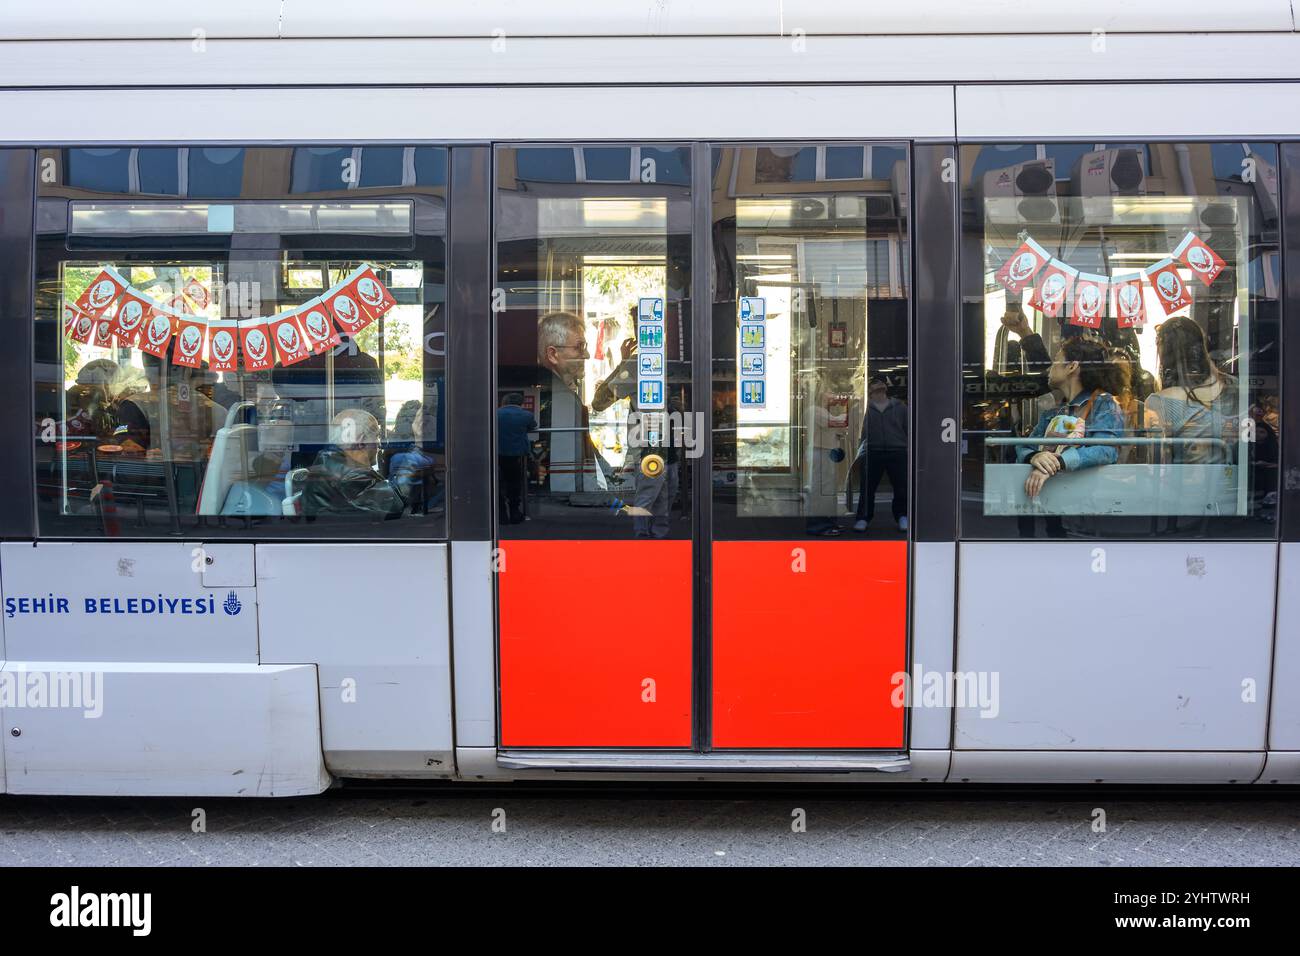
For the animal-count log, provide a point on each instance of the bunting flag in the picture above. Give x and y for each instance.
(1055, 283)
(223, 347)
(102, 292)
(255, 345)
(1169, 286)
(315, 320)
(159, 326)
(342, 301)
(1053, 289)
(191, 337)
(1130, 307)
(197, 293)
(1200, 258)
(290, 342)
(103, 333)
(78, 324)
(375, 297)
(1089, 300)
(112, 311)
(128, 320)
(1017, 273)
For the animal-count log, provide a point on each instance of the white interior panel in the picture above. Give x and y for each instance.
(1150, 654)
(934, 589)
(374, 617)
(230, 730)
(1127, 111)
(479, 113)
(125, 601)
(473, 633)
(1284, 727)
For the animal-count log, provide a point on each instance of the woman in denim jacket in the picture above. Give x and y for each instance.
(1081, 371)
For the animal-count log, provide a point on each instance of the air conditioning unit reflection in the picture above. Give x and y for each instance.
(1100, 176)
(1023, 194)
(858, 206)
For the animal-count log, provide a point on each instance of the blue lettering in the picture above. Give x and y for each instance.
(90, 606)
(171, 605)
(10, 607)
(132, 605)
(38, 606)
(63, 605)
(147, 605)
(187, 606)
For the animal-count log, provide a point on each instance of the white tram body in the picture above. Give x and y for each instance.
(262, 662)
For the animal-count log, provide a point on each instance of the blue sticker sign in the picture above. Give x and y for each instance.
(651, 365)
(751, 360)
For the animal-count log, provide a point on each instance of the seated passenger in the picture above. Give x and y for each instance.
(343, 479)
(1081, 373)
(410, 468)
(1195, 400)
(259, 494)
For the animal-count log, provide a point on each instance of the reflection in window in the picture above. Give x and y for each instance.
(194, 385)
(578, 267)
(810, 390)
(1114, 367)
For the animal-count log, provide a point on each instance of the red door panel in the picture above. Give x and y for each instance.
(578, 647)
(805, 658)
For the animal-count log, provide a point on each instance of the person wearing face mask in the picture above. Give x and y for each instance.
(884, 445)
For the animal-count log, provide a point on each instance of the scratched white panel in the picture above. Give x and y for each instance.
(1151, 654)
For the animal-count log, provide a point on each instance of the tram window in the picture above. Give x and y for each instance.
(584, 398)
(1120, 329)
(243, 368)
(810, 372)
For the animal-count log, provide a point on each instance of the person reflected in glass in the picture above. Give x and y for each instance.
(1196, 400)
(514, 422)
(1082, 375)
(882, 450)
(411, 467)
(343, 480)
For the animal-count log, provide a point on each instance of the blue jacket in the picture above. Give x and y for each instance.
(513, 425)
(1104, 421)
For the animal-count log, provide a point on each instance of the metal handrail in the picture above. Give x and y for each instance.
(1105, 441)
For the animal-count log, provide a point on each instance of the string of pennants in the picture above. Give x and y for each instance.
(1054, 283)
(111, 311)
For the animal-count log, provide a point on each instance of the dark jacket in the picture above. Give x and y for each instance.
(336, 485)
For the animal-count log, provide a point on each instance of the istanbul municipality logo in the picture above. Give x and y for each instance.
(231, 605)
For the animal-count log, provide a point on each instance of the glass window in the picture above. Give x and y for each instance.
(810, 371)
(595, 425)
(254, 367)
(845, 162)
(99, 170)
(607, 164)
(546, 165)
(215, 171)
(1120, 341)
(160, 171)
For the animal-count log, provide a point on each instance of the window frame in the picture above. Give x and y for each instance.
(1267, 335)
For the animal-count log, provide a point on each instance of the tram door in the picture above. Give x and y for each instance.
(702, 508)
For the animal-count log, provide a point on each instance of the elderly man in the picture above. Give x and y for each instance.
(343, 479)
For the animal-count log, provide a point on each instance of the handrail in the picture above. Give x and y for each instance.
(1105, 441)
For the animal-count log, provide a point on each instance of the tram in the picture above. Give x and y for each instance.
(779, 391)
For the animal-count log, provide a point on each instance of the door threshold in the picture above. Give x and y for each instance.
(755, 761)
